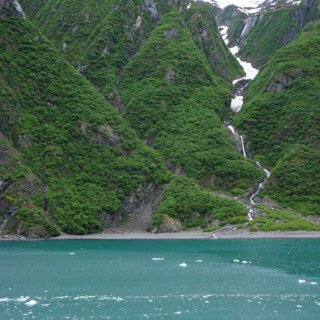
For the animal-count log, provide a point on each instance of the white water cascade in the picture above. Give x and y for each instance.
(236, 105)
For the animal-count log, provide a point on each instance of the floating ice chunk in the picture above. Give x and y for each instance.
(177, 312)
(157, 259)
(71, 253)
(183, 264)
(236, 260)
(206, 301)
(298, 306)
(31, 303)
(313, 283)
(199, 260)
(244, 262)
(301, 281)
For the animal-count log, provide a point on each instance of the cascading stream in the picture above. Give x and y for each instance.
(236, 105)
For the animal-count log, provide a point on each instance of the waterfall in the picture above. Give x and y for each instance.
(236, 105)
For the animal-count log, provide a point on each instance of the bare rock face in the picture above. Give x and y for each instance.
(279, 84)
(10, 8)
(170, 75)
(170, 225)
(171, 34)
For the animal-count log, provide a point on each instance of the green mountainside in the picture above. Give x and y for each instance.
(281, 119)
(69, 162)
(261, 35)
(114, 115)
(174, 102)
(200, 18)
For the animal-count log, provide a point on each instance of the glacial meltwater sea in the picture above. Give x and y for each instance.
(178, 279)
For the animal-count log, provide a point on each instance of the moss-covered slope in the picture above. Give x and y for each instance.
(83, 158)
(174, 102)
(200, 18)
(274, 29)
(281, 119)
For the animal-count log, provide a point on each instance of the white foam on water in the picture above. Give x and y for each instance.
(301, 281)
(157, 259)
(236, 260)
(183, 264)
(61, 297)
(71, 253)
(177, 312)
(299, 306)
(4, 299)
(314, 283)
(83, 297)
(237, 103)
(31, 303)
(23, 299)
(199, 260)
(45, 304)
(206, 301)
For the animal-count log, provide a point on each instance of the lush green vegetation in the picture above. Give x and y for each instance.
(194, 206)
(283, 25)
(98, 37)
(233, 18)
(281, 119)
(281, 220)
(79, 148)
(200, 18)
(173, 100)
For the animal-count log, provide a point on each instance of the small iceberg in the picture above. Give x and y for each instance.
(301, 281)
(71, 253)
(244, 262)
(183, 264)
(313, 283)
(177, 312)
(31, 303)
(236, 260)
(157, 259)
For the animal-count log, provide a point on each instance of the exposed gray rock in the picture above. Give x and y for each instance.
(170, 75)
(170, 225)
(277, 85)
(171, 34)
(74, 29)
(152, 7)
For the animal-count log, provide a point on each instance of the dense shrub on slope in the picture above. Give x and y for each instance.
(99, 37)
(282, 27)
(200, 18)
(80, 152)
(182, 197)
(173, 101)
(281, 119)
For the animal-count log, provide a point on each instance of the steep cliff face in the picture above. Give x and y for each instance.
(281, 121)
(99, 37)
(200, 18)
(67, 157)
(261, 34)
(69, 162)
(173, 99)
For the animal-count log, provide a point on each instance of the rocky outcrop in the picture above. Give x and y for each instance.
(282, 81)
(105, 135)
(170, 225)
(10, 8)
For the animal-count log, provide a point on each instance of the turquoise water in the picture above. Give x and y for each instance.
(120, 280)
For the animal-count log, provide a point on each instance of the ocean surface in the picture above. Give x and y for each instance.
(178, 279)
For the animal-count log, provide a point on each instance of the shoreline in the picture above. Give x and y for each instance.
(186, 235)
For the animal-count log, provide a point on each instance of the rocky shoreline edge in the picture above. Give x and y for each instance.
(186, 235)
